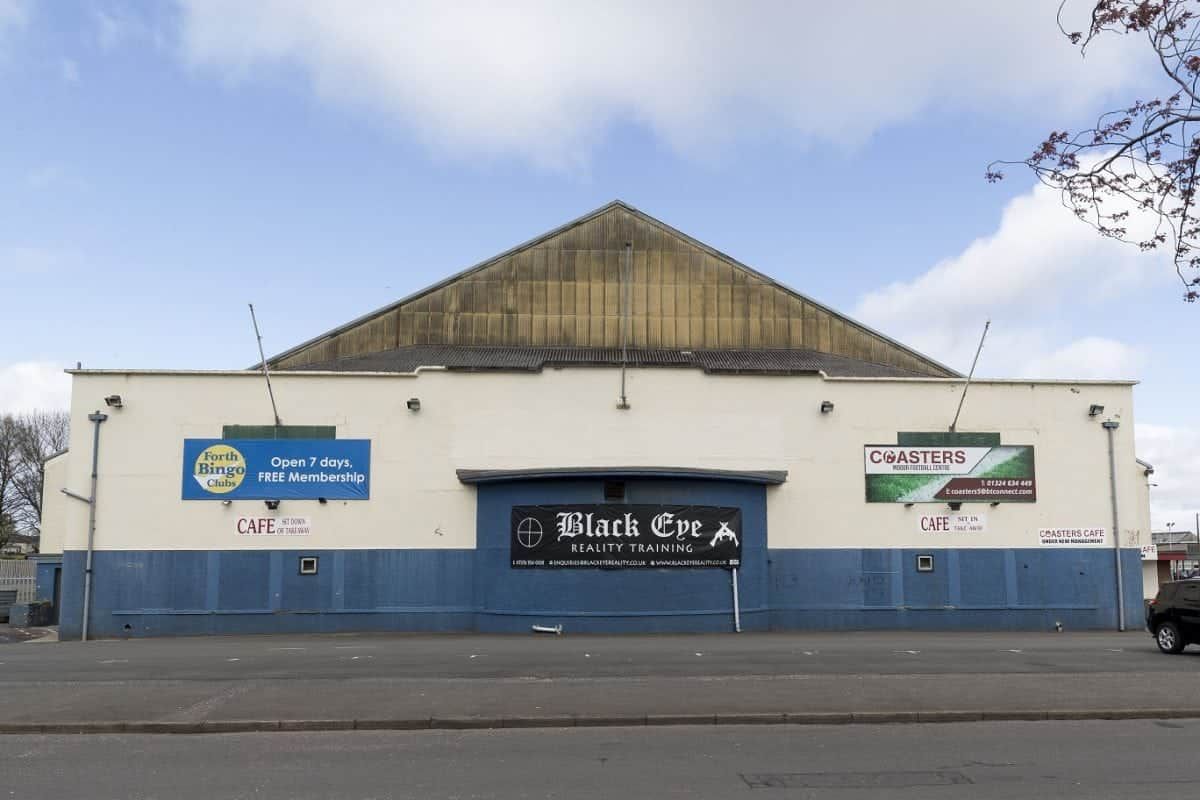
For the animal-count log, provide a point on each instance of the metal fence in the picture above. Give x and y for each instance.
(19, 575)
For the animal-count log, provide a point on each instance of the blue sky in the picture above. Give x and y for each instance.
(163, 163)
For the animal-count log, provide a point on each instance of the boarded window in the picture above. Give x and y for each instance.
(947, 439)
(279, 432)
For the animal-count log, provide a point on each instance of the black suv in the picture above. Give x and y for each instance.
(1174, 615)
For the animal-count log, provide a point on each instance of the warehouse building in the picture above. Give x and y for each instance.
(612, 427)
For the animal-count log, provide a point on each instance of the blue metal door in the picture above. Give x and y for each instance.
(617, 600)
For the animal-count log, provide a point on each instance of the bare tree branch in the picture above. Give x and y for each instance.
(9, 438)
(40, 434)
(1135, 170)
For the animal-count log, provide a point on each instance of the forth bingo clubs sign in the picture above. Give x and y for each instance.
(276, 469)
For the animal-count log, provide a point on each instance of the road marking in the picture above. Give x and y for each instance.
(699, 654)
(1012, 651)
(233, 659)
(908, 652)
(114, 661)
(810, 652)
(354, 647)
(1116, 650)
(287, 648)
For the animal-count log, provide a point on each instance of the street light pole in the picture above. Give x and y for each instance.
(1110, 426)
(96, 418)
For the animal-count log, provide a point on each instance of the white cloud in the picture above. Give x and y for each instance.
(32, 385)
(1089, 357)
(44, 176)
(33, 259)
(69, 70)
(1040, 263)
(111, 28)
(14, 15)
(543, 80)
(1175, 454)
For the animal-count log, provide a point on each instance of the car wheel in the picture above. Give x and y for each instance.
(1168, 638)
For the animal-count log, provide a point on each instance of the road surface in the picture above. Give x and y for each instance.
(382, 677)
(1046, 760)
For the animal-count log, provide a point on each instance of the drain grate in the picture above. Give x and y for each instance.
(852, 780)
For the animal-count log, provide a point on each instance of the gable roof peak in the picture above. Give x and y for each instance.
(716, 302)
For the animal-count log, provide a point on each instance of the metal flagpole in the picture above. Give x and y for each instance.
(970, 375)
(266, 372)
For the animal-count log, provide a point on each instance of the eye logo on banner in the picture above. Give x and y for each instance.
(529, 533)
(219, 469)
(724, 534)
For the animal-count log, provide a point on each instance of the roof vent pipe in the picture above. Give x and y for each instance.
(626, 269)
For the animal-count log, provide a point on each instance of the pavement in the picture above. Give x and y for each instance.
(969, 761)
(14, 633)
(403, 682)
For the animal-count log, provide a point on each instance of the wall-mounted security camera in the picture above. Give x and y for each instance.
(114, 401)
(272, 504)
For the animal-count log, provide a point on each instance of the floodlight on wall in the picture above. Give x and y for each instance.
(226, 502)
(414, 404)
(114, 401)
(322, 500)
(955, 506)
(826, 406)
(271, 504)
(1095, 410)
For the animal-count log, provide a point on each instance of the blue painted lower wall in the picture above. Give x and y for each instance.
(981, 589)
(155, 593)
(187, 592)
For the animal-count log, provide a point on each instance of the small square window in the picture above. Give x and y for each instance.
(925, 563)
(308, 565)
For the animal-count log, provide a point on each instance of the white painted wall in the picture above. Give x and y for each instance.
(561, 418)
(54, 503)
(1142, 508)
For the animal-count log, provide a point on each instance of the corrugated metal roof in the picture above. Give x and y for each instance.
(615, 204)
(534, 359)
